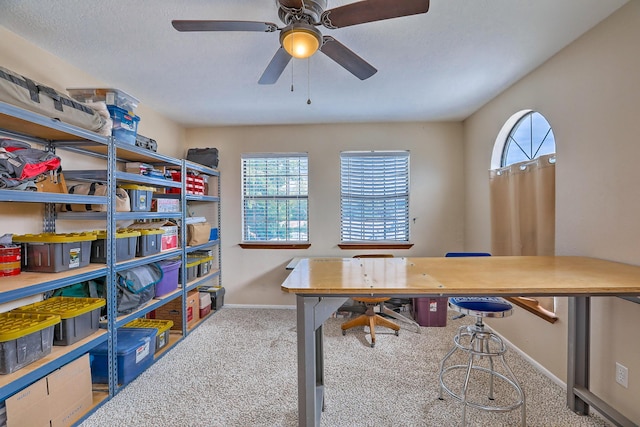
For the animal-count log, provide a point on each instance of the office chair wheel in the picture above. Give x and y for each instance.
(373, 344)
(397, 333)
(344, 332)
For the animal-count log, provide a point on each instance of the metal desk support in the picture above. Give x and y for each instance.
(312, 313)
(579, 398)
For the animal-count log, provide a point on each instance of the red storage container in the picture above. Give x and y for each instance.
(9, 260)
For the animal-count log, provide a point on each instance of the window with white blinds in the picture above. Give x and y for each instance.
(275, 197)
(374, 196)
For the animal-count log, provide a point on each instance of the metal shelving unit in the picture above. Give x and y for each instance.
(55, 135)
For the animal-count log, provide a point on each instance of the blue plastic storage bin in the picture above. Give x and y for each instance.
(125, 124)
(135, 349)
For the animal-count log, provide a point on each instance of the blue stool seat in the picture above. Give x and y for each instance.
(481, 306)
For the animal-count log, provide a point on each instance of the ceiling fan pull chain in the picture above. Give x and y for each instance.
(309, 81)
(292, 62)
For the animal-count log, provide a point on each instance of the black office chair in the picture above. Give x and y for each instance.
(479, 342)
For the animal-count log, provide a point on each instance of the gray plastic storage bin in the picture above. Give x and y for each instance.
(140, 197)
(149, 242)
(80, 317)
(126, 242)
(52, 253)
(24, 338)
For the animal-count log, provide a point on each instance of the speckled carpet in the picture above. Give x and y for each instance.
(239, 369)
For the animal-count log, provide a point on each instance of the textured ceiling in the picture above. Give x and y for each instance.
(442, 65)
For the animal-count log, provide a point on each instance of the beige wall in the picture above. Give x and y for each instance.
(590, 94)
(253, 276)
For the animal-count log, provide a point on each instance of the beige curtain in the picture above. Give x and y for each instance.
(523, 213)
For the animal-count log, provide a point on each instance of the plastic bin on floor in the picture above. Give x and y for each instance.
(430, 311)
(80, 317)
(135, 349)
(24, 338)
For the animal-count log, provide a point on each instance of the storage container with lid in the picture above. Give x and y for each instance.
(169, 282)
(52, 252)
(109, 96)
(163, 327)
(10, 260)
(135, 349)
(126, 241)
(24, 338)
(149, 242)
(80, 317)
(140, 196)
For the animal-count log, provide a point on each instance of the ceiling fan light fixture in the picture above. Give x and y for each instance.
(301, 40)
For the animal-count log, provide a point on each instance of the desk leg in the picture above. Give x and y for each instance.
(311, 314)
(578, 358)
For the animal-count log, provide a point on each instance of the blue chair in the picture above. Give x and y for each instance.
(478, 342)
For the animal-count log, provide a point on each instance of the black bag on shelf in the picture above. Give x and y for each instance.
(136, 287)
(205, 156)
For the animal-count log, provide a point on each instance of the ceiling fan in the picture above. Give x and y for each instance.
(300, 38)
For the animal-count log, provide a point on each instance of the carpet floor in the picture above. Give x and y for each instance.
(239, 369)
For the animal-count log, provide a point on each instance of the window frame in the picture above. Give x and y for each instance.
(275, 244)
(385, 199)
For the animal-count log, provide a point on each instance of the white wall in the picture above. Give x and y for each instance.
(253, 276)
(590, 94)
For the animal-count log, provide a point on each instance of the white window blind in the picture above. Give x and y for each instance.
(374, 196)
(275, 197)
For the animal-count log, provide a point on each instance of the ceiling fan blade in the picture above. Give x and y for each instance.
(266, 27)
(292, 4)
(371, 10)
(275, 68)
(346, 58)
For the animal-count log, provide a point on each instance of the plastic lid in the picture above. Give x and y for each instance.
(136, 187)
(151, 231)
(193, 261)
(16, 325)
(128, 341)
(161, 325)
(53, 238)
(65, 307)
(120, 234)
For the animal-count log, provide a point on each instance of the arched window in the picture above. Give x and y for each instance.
(522, 183)
(530, 138)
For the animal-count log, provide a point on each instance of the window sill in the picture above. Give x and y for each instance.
(375, 245)
(266, 245)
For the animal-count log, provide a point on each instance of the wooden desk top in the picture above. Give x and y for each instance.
(505, 276)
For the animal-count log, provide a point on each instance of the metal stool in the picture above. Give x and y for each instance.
(480, 343)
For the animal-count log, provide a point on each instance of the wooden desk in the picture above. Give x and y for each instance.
(322, 285)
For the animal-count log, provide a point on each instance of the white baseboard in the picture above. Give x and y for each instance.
(284, 307)
(544, 371)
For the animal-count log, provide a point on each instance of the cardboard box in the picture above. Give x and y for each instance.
(173, 311)
(57, 400)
